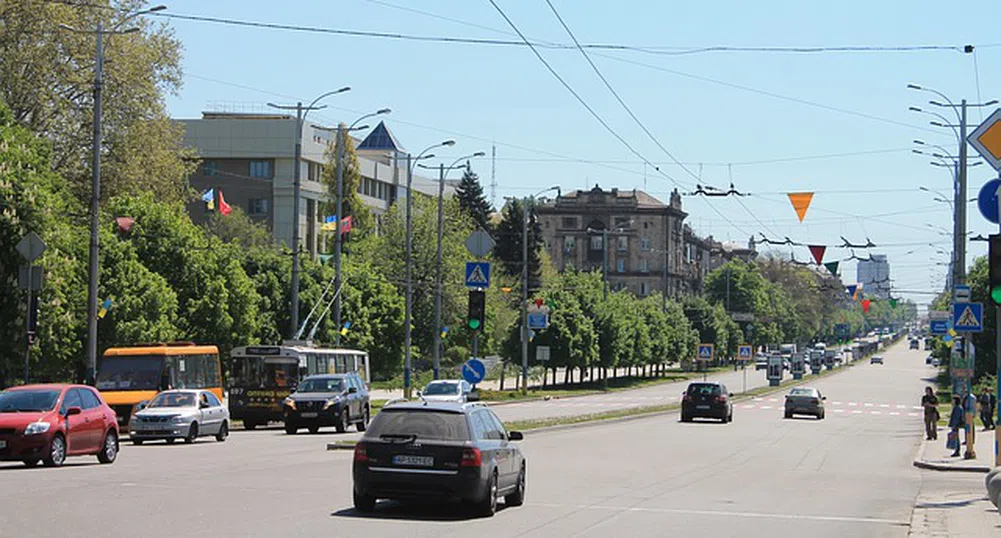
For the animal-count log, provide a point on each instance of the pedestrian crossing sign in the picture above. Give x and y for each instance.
(477, 274)
(968, 317)
(705, 352)
(744, 353)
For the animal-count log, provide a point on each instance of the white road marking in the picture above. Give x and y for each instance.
(875, 412)
(901, 407)
(856, 412)
(766, 407)
(868, 405)
(894, 413)
(839, 410)
(852, 404)
(760, 515)
(884, 405)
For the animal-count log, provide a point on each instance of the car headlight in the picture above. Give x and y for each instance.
(289, 402)
(178, 420)
(36, 428)
(331, 403)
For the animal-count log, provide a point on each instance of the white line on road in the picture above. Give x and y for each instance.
(894, 413)
(875, 412)
(856, 412)
(901, 407)
(884, 405)
(852, 404)
(761, 515)
(839, 410)
(766, 407)
(868, 405)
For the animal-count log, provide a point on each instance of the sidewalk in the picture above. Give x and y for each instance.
(934, 456)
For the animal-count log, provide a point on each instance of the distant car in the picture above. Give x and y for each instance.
(804, 401)
(439, 450)
(761, 362)
(449, 390)
(929, 359)
(708, 400)
(876, 359)
(915, 344)
(337, 400)
(935, 362)
(50, 422)
(180, 414)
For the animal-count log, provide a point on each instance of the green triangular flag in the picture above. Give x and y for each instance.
(832, 267)
(324, 258)
(893, 303)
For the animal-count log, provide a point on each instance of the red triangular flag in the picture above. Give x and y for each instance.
(224, 208)
(346, 224)
(818, 252)
(865, 306)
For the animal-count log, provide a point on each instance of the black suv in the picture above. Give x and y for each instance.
(337, 400)
(707, 399)
(439, 450)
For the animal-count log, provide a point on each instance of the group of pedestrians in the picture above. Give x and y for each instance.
(957, 418)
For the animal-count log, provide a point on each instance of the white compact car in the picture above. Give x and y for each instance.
(449, 390)
(180, 414)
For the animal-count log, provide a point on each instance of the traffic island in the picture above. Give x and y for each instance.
(934, 456)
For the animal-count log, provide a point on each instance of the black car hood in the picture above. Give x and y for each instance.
(314, 396)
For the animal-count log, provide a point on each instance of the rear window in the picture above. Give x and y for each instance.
(803, 392)
(439, 425)
(704, 389)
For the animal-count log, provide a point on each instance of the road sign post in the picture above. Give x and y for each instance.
(705, 355)
(31, 247)
(473, 371)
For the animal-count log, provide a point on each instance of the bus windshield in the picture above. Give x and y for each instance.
(130, 373)
(259, 372)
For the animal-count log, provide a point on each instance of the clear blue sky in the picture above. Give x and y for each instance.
(714, 108)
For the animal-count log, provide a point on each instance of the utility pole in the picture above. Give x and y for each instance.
(95, 208)
(338, 234)
(524, 298)
(437, 272)
(604, 263)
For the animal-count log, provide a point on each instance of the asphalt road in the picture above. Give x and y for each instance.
(849, 475)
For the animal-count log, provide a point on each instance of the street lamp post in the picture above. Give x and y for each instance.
(530, 203)
(342, 134)
(409, 262)
(95, 195)
(300, 119)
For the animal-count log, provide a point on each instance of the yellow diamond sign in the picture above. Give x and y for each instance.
(986, 139)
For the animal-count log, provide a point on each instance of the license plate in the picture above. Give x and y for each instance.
(416, 461)
(702, 407)
(3, 444)
(309, 415)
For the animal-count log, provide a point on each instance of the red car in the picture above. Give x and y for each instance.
(50, 422)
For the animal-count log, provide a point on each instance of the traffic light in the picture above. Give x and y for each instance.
(477, 310)
(994, 267)
(33, 319)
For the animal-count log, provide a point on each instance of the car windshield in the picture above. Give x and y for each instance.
(419, 424)
(173, 399)
(439, 389)
(803, 392)
(22, 401)
(321, 384)
(704, 389)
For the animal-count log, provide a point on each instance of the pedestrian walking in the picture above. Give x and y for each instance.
(957, 421)
(930, 404)
(987, 402)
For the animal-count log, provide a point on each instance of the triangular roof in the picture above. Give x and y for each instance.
(381, 139)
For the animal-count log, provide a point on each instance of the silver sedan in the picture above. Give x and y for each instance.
(180, 414)
(804, 401)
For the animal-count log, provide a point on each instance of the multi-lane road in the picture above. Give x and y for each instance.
(848, 475)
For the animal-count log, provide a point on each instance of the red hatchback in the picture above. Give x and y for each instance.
(50, 422)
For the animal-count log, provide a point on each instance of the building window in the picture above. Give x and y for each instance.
(621, 265)
(569, 244)
(645, 244)
(644, 266)
(210, 168)
(623, 243)
(257, 206)
(644, 289)
(314, 171)
(260, 169)
(646, 225)
(569, 222)
(596, 242)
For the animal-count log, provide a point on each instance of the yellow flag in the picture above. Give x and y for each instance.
(801, 202)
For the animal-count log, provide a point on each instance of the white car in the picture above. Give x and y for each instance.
(449, 390)
(180, 414)
(876, 359)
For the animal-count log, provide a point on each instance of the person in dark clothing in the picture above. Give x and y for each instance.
(957, 421)
(987, 402)
(930, 404)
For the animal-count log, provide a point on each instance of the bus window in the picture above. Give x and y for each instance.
(194, 371)
(342, 364)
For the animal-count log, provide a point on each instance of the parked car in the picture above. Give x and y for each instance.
(935, 362)
(51, 422)
(449, 390)
(929, 359)
(337, 400)
(707, 399)
(804, 401)
(915, 344)
(439, 450)
(876, 359)
(180, 414)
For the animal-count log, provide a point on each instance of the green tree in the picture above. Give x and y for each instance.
(353, 206)
(472, 200)
(375, 310)
(509, 236)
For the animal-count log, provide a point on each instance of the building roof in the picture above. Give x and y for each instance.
(381, 139)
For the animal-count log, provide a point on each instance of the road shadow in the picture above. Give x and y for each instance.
(19, 466)
(953, 504)
(321, 433)
(415, 511)
(803, 418)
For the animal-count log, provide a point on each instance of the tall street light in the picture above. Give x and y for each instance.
(95, 195)
(524, 282)
(442, 173)
(409, 260)
(342, 134)
(300, 119)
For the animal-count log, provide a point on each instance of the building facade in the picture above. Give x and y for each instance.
(250, 158)
(874, 275)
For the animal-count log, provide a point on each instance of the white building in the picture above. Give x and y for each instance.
(874, 275)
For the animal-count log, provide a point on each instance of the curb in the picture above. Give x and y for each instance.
(946, 467)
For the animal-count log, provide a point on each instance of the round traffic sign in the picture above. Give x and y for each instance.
(987, 200)
(474, 371)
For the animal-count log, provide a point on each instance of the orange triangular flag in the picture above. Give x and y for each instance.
(801, 202)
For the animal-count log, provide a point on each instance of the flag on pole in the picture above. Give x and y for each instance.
(209, 198)
(224, 208)
(818, 252)
(344, 329)
(103, 310)
(865, 305)
(832, 267)
(444, 332)
(346, 224)
(329, 223)
(800, 202)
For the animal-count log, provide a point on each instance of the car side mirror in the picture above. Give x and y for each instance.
(73, 411)
(203, 405)
(731, 395)
(823, 397)
(352, 390)
(515, 436)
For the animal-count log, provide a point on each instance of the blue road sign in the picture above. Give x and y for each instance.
(705, 352)
(987, 200)
(538, 321)
(744, 353)
(938, 326)
(968, 317)
(477, 274)
(474, 371)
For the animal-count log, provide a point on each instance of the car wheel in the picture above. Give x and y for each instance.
(290, 429)
(364, 503)
(342, 424)
(788, 414)
(109, 450)
(518, 497)
(821, 416)
(314, 429)
(363, 425)
(685, 418)
(488, 506)
(57, 452)
(170, 440)
(192, 433)
(223, 432)
(30, 463)
(249, 425)
(137, 442)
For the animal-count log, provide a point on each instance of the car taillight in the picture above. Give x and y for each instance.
(815, 401)
(471, 457)
(361, 453)
(686, 398)
(721, 398)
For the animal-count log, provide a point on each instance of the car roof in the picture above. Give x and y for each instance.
(449, 407)
(446, 381)
(327, 376)
(697, 383)
(47, 386)
(182, 391)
